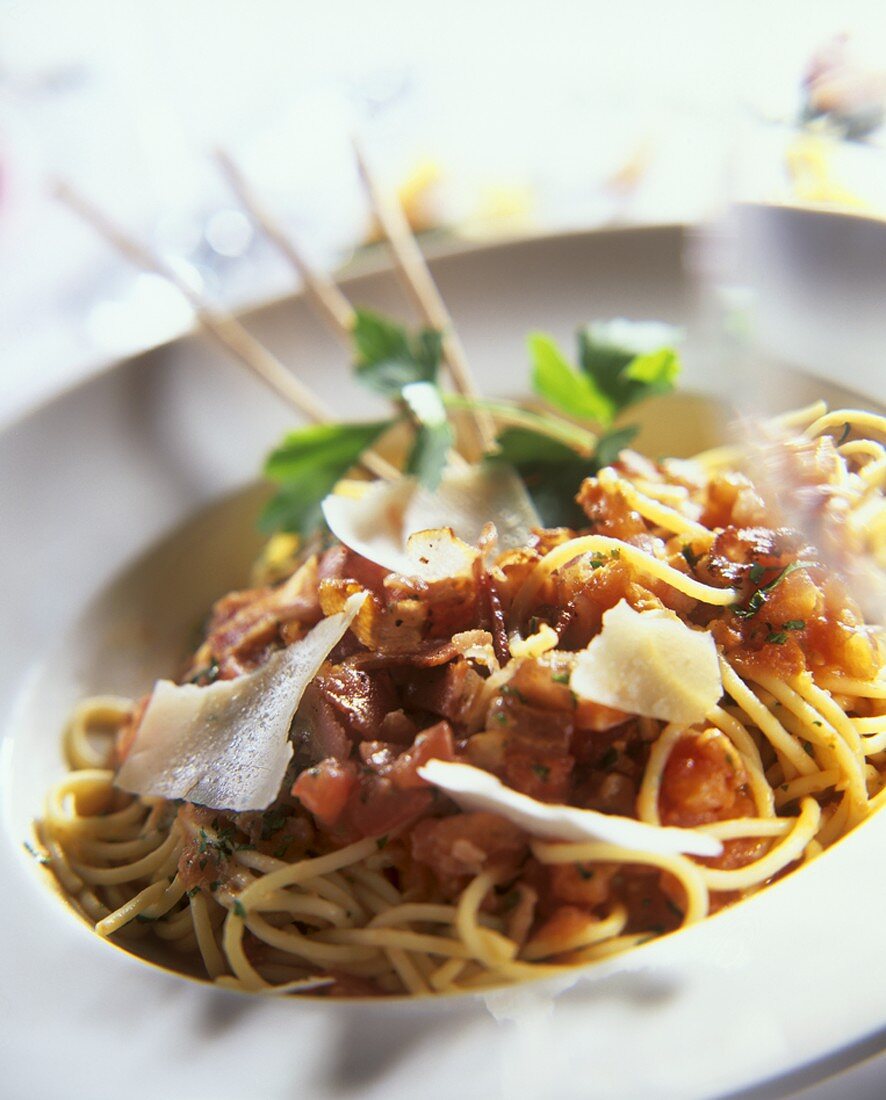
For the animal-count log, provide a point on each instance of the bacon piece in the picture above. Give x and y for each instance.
(242, 626)
(324, 731)
(360, 699)
(340, 563)
(451, 692)
(430, 654)
(494, 617)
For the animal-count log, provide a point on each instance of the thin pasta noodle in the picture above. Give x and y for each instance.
(602, 544)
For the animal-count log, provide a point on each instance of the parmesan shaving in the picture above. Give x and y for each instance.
(226, 746)
(378, 524)
(474, 789)
(652, 664)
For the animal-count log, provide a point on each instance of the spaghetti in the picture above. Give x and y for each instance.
(362, 880)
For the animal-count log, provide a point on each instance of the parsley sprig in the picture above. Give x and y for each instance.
(619, 364)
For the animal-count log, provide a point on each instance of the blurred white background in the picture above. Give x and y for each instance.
(493, 118)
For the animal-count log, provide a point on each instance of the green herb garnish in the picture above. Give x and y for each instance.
(389, 357)
(779, 637)
(239, 909)
(434, 436)
(206, 675)
(760, 596)
(553, 454)
(306, 467)
(40, 857)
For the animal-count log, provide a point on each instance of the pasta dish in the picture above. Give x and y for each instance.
(524, 701)
(498, 758)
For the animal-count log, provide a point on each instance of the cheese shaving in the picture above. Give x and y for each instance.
(652, 664)
(474, 789)
(378, 523)
(226, 746)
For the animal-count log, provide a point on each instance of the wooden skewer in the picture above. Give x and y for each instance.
(420, 286)
(326, 298)
(224, 328)
(321, 291)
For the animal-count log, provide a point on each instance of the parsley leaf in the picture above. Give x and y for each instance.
(389, 357)
(560, 384)
(434, 436)
(553, 472)
(611, 444)
(306, 466)
(629, 361)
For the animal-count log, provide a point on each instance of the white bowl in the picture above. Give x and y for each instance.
(162, 449)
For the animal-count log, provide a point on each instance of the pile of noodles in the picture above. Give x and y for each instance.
(808, 738)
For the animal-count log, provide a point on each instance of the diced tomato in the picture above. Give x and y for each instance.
(326, 788)
(543, 777)
(378, 807)
(468, 843)
(703, 781)
(434, 743)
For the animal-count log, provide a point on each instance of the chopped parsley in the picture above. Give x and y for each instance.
(382, 841)
(194, 891)
(272, 822)
(40, 857)
(759, 597)
(542, 771)
(239, 909)
(584, 871)
(560, 677)
(206, 675)
(779, 637)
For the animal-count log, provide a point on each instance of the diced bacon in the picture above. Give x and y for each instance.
(360, 699)
(340, 563)
(325, 733)
(450, 691)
